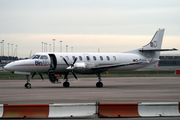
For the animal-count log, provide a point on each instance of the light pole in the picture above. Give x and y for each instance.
(49, 47)
(54, 45)
(12, 50)
(16, 50)
(8, 52)
(71, 49)
(66, 48)
(46, 47)
(3, 48)
(60, 46)
(42, 46)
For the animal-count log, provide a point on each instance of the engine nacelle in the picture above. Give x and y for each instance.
(84, 67)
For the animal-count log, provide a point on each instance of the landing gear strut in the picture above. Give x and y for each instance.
(99, 84)
(27, 85)
(66, 83)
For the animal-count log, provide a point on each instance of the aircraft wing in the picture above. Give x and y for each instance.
(113, 66)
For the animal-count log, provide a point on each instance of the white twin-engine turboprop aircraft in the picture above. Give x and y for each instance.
(88, 63)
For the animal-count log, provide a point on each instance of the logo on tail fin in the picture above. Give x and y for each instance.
(153, 44)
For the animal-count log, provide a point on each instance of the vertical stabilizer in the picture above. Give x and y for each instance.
(152, 49)
(156, 41)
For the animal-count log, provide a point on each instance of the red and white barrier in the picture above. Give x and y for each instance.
(25, 111)
(72, 110)
(139, 109)
(89, 110)
(1, 110)
(158, 109)
(48, 110)
(118, 110)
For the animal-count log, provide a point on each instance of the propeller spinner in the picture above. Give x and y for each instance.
(71, 67)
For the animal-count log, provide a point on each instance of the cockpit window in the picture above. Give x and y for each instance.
(36, 57)
(32, 57)
(43, 57)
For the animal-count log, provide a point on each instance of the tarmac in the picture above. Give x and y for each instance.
(115, 90)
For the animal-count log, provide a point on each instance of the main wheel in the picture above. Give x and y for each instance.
(27, 85)
(66, 84)
(99, 84)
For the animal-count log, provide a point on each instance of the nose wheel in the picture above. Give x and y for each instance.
(66, 83)
(99, 84)
(27, 85)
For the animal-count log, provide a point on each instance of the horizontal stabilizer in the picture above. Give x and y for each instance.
(153, 50)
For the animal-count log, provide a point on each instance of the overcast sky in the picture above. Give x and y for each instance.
(86, 25)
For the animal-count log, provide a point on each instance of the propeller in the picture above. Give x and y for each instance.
(71, 67)
(35, 74)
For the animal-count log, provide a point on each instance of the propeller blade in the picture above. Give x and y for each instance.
(33, 75)
(41, 76)
(70, 68)
(65, 61)
(74, 61)
(74, 74)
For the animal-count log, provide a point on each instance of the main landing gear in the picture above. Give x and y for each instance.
(27, 85)
(66, 83)
(99, 84)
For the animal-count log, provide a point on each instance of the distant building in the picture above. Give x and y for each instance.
(5, 59)
(169, 60)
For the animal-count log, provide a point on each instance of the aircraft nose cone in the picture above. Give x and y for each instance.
(8, 67)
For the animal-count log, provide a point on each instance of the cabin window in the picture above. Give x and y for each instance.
(94, 57)
(114, 57)
(80, 57)
(67, 58)
(108, 58)
(61, 57)
(43, 57)
(73, 57)
(87, 57)
(101, 58)
(36, 57)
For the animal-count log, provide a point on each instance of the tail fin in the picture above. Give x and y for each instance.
(156, 41)
(155, 44)
(152, 49)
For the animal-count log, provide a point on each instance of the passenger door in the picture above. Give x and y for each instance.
(53, 61)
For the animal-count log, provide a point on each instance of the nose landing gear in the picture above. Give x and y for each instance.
(99, 84)
(27, 85)
(66, 83)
